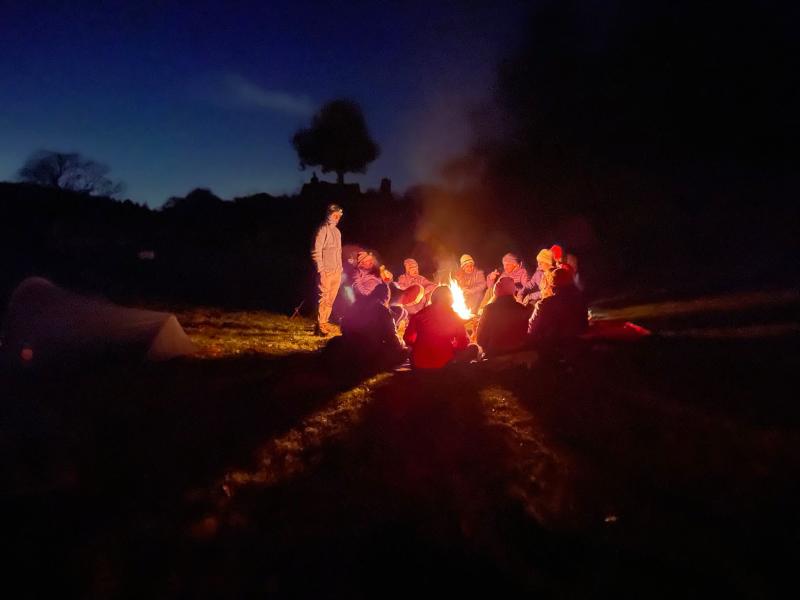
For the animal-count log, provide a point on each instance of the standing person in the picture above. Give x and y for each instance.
(327, 256)
(471, 281)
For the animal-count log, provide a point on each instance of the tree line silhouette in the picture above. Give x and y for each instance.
(656, 142)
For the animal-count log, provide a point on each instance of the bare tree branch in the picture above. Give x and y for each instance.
(69, 171)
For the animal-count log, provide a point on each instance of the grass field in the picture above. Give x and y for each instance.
(662, 468)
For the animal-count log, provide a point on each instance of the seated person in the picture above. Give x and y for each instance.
(436, 334)
(368, 332)
(471, 281)
(512, 267)
(503, 328)
(368, 275)
(411, 277)
(557, 252)
(572, 262)
(540, 284)
(563, 315)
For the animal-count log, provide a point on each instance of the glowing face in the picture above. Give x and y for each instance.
(545, 266)
(510, 267)
(469, 267)
(412, 270)
(368, 263)
(335, 217)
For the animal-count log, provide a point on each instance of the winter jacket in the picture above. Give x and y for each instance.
(370, 325)
(503, 327)
(327, 251)
(405, 281)
(519, 275)
(558, 317)
(435, 334)
(538, 287)
(473, 285)
(365, 281)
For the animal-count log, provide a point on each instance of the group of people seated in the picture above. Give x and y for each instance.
(511, 310)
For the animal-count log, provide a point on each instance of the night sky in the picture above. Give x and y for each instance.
(173, 98)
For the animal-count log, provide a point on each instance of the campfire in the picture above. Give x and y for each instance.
(459, 304)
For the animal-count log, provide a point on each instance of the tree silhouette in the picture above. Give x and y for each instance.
(337, 140)
(199, 200)
(69, 171)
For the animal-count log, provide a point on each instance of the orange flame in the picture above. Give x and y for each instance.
(459, 303)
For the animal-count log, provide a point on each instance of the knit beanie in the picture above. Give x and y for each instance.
(545, 256)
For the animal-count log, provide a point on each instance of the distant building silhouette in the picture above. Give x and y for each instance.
(386, 186)
(328, 191)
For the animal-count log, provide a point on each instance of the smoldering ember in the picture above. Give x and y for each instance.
(377, 300)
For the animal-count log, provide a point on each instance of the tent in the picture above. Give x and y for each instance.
(46, 325)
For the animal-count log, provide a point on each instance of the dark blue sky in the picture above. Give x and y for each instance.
(174, 98)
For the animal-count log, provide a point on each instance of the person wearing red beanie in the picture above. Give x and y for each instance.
(558, 254)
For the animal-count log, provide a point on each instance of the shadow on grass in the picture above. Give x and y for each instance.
(105, 466)
(417, 495)
(687, 451)
(662, 469)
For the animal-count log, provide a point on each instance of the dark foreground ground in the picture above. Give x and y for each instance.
(665, 468)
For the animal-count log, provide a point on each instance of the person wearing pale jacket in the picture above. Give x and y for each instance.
(512, 267)
(411, 277)
(327, 256)
(368, 275)
(540, 285)
(471, 281)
